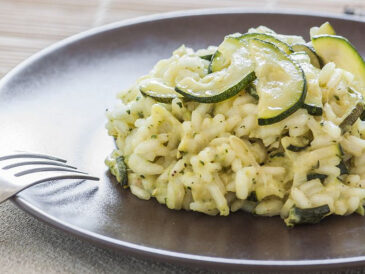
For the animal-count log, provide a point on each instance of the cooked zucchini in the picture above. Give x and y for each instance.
(214, 96)
(281, 82)
(251, 89)
(252, 197)
(325, 28)
(337, 49)
(352, 117)
(122, 175)
(362, 116)
(296, 148)
(300, 57)
(118, 168)
(267, 38)
(312, 176)
(217, 62)
(343, 168)
(159, 97)
(276, 154)
(313, 108)
(298, 144)
(207, 57)
(158, 91)
(313, 100)
(314, 58)
(307, 215)
(222, 57)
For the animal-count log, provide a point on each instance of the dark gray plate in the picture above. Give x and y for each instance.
(55, 102)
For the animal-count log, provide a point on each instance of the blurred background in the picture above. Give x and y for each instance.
(26, 26)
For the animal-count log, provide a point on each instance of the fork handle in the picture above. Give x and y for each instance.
(8, 190)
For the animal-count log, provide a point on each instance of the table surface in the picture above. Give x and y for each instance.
(26, 26)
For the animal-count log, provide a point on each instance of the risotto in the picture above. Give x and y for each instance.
(265, 123)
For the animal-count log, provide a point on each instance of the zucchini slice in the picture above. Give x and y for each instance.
(252, 197)
(158, 91)
(337, 49)
(312, 176)
(215, 87)
(158, 96)
(251, 89)
(313, 100)
(122, 170)
(222, 57)
(352, 117)
(215, 96)
(277, 154)
(306, 216)
(313, 106)
(314, 58)
(343, 168)
(325, 28)
(268, 38)
(118, 168)
(217, 62)
(300, 57)
(281, 82)
(207, 57)
(298, 144)
(362, 116)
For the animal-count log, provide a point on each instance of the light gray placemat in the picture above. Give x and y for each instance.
(30, 246)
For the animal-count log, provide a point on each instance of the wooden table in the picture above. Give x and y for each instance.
(26, 26)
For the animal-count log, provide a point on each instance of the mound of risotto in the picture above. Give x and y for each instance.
(266, 123)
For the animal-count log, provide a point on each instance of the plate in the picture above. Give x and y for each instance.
(55, 103)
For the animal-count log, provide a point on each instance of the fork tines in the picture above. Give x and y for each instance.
(22, 154)
(41, 168)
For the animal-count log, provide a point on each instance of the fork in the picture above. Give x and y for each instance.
(20, 170)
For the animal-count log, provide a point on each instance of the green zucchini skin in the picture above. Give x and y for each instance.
(288, 112)
(211, 66)
(228, 93)
(252, 197)
(312, 176)
(313, 110)
(277, 154)
(306, 216)
(207, 57)
(282, 116)
(122, 170)
(352, 117)
(296, 148)
(316, 61)
(267, 38)
(251, 89)
(346, 57)
(166, 99)
(214, 64)
(343, 168)
(299, 103)
(362, 116)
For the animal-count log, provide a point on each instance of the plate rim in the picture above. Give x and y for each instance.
(166, 255)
